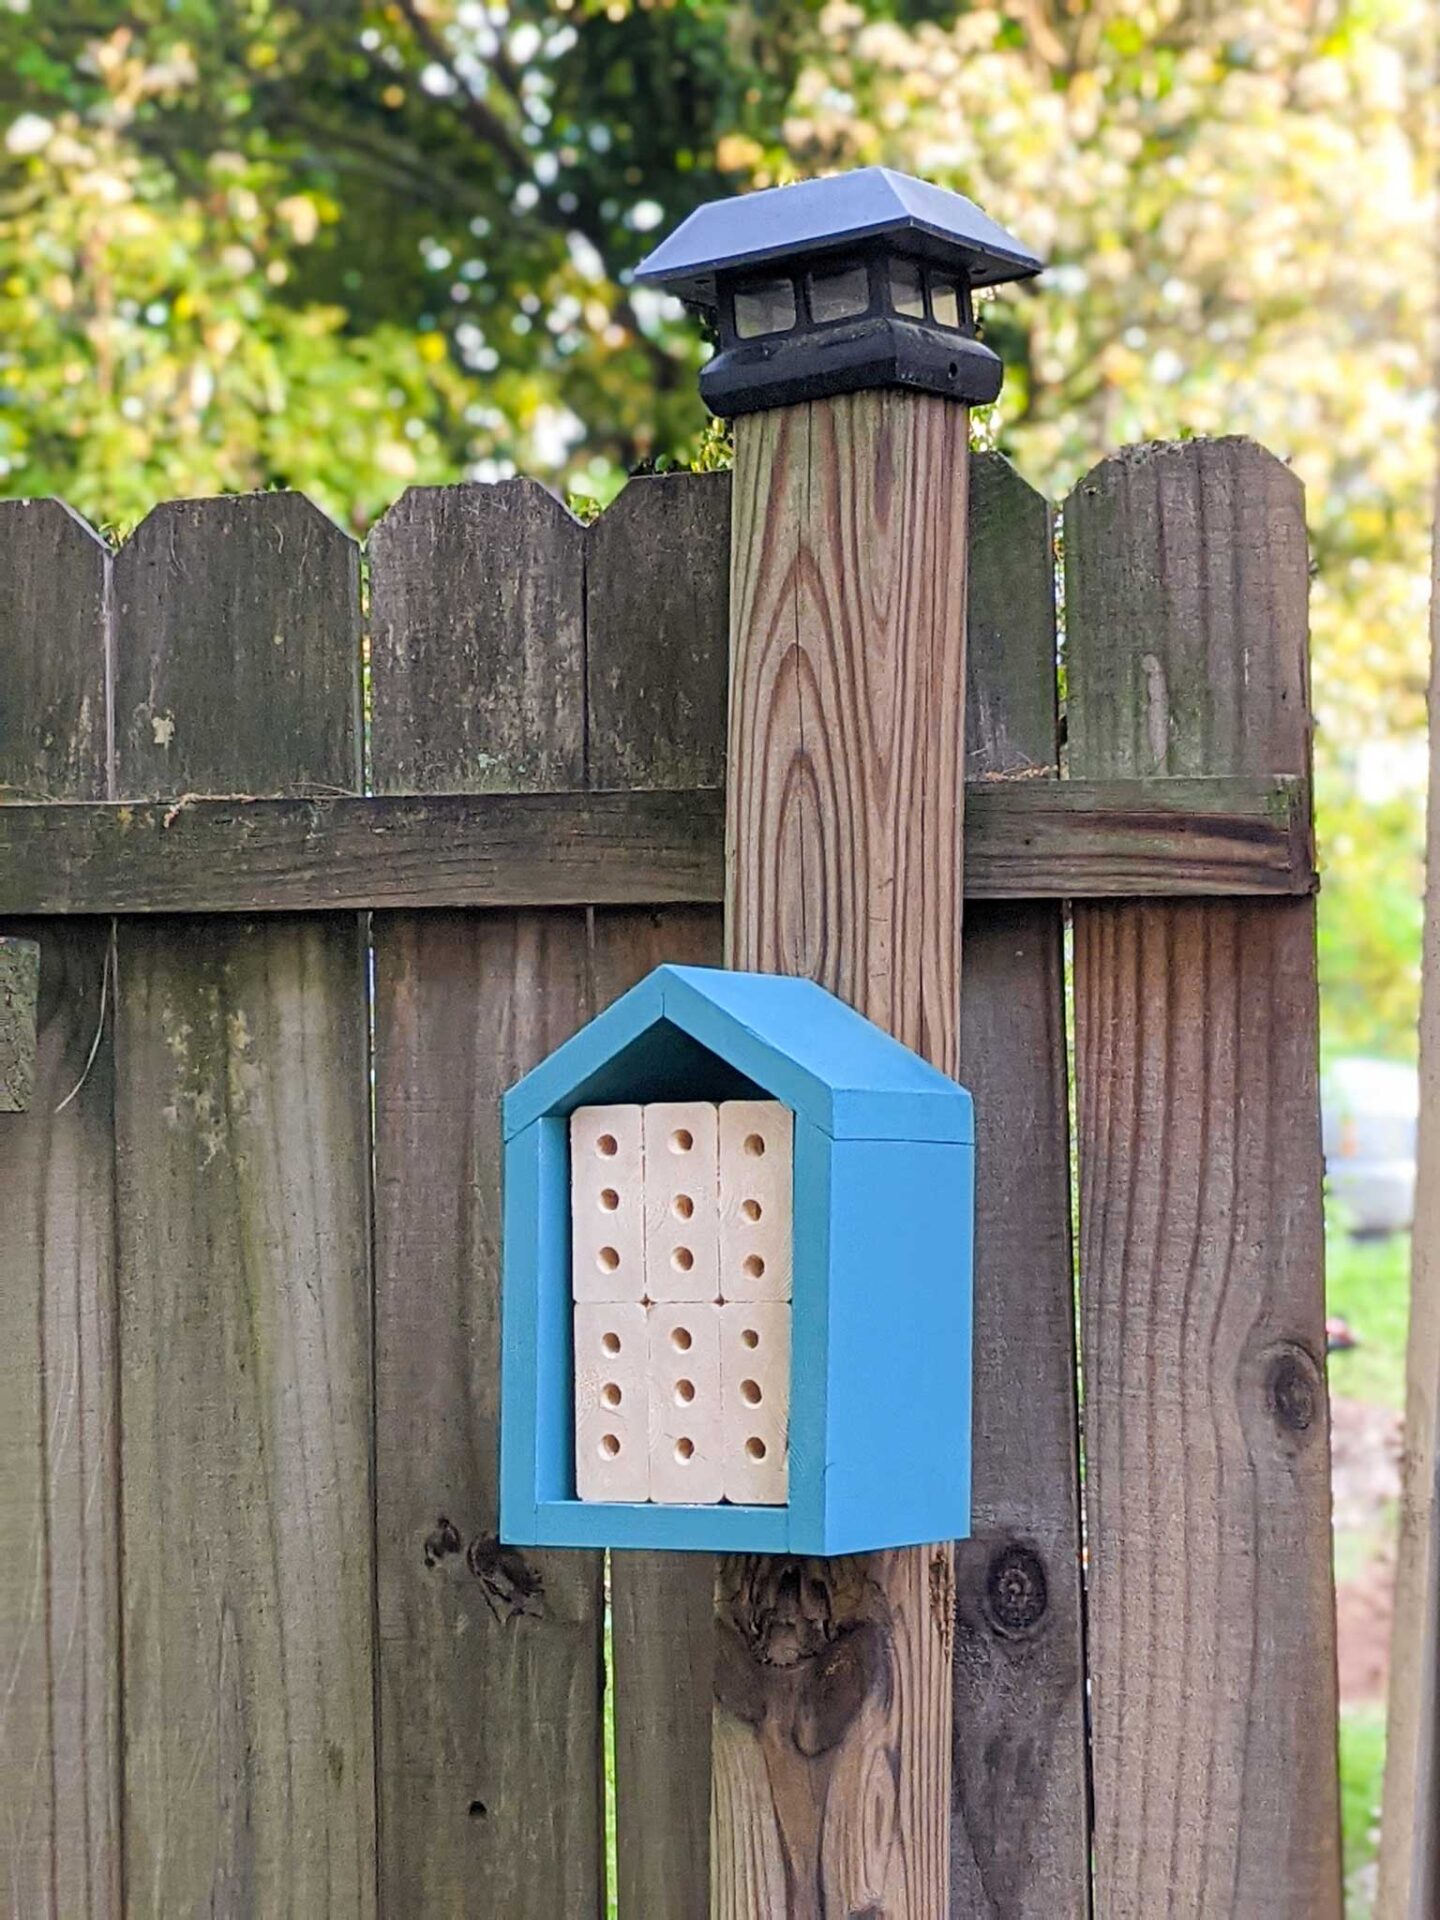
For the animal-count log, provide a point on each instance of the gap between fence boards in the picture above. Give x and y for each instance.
(1027, 838)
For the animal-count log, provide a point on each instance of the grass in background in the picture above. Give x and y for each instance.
(1362, 1767)
(1367, 1282)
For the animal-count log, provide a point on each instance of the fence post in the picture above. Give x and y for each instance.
(844, 851)
(1211, 1603)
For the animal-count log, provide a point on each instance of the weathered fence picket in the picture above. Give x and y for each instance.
(1020, 1803)
(1211, 1607)
(490, 1662)
(320, 1684)
(59, 1456)
(242, 1235)
(657, 634)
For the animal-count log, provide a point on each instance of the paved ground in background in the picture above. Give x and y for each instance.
(1366, 1445)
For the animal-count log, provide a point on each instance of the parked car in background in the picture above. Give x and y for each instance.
(1369, 1110)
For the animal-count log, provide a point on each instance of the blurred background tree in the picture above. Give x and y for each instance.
(346, 247)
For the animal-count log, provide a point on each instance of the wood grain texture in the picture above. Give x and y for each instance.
(657, 632)
(484, 681)
(1028, 839)
(1409, 1886)
(657, 643)
(242, 1166)
(490, 1658)
(1019, 1820)
(59, 1467)
(832, 1738)
(1211, 1614)
(19, 1014)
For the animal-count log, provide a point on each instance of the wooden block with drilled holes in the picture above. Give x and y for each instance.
(682, 1260)
(607, 1203)
(686, 1453)
(755, 1401)
(757, 1178)
(612, 1413)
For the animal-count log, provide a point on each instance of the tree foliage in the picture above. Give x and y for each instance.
(346, 246)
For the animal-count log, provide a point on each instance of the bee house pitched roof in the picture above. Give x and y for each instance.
(788, 1038)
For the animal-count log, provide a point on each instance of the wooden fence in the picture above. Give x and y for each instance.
(330, 871)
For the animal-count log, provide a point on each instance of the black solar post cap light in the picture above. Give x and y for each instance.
(831, 286)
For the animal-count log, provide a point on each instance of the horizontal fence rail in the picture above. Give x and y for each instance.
(1027, 839)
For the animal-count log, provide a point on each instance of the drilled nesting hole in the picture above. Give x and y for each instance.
(749, 1337)
(609, 1200)
(750, 1392)
(756, 1448)
(611, 1396)
(684, 1450)
(680, 1339)
(682, 1140)
(682, 1259)
(751, 1210)
(609, 1445)
(754, 1266)
(683, 1207)
(610, 1342)
(684, 1392)
(607, 1259)
(607, 1146)
(755, 1145)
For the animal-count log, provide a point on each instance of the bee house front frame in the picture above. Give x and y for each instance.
(880, 1377)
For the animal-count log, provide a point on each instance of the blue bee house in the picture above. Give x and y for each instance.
(880, 1327)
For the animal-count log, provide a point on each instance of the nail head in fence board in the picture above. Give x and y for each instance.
(1019, 1831)
(490, 1658)
(657, 643)
(19, 1011)
(1211, 1626)
(1410, 1831)
(844, 863)
(59, 1514)
(243, 1194)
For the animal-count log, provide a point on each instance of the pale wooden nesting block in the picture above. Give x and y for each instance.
(757, 1199)
(755, 1401)
(612, 1396)
(607, 1203)
(686, 1450)
(682, 1201)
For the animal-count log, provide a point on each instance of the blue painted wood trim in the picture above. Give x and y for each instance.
(789, 1037)
(809, 1336)
(898, 1437)
(554, 1319)
(519, 1352)
(719, 1529)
